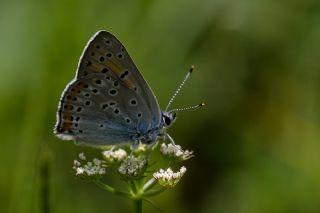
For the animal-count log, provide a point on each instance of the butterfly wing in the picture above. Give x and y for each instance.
(109, 101)
(104, 52)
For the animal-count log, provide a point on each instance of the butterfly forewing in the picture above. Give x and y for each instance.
(105, 53)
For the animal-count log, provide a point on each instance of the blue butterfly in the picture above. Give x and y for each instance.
(109, 102)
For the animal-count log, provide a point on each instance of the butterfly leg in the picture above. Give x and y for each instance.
(134, 146)
(170, 139)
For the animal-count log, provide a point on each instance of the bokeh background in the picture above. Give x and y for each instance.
(257, 68)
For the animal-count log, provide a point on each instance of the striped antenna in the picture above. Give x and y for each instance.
(188, 108)
(180, 86)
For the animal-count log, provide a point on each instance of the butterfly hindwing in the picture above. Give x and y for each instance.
(96, 110)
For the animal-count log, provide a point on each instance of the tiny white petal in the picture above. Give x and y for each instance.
(82, 156)
(76, 163)
(79, 171)
(96, 161)
(183, 170)
(168, 178)
(117, 155)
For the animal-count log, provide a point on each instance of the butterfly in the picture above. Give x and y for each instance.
(109, 102)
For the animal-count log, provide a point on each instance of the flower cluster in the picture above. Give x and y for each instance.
(133, 167)
(94, 168)
(175, 152)
(168, 178)
(141, 149)
(114, 156)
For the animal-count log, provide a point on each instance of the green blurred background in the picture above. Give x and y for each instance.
(257, 68)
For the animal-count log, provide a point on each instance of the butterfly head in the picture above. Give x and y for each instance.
(168, 118)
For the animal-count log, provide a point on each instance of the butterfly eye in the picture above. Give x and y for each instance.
(167, 120)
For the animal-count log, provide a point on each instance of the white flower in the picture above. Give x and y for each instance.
(94, 168)
(175, 151)
(169, 178)
(102, 171)
(79, 171)
(114, 156)
(133, 167)
(97, 161)
(76, 163)
(120, 154)
(140, 149)
(82, 156)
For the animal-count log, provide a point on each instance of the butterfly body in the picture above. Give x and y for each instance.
(109, 102)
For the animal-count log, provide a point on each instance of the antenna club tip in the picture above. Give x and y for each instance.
(191, 68)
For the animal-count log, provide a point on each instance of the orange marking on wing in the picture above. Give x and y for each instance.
(116, 69)
(67, 121)
(96, 67)
(129, 84)
(67, 125)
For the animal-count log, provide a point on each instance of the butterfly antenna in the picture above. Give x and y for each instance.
(188, 108)
(180, 86)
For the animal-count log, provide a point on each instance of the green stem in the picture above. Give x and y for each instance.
(148, 185)
(133, 187)
(154, 192)
(111, 189)
(138, 205)
(136, 195)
